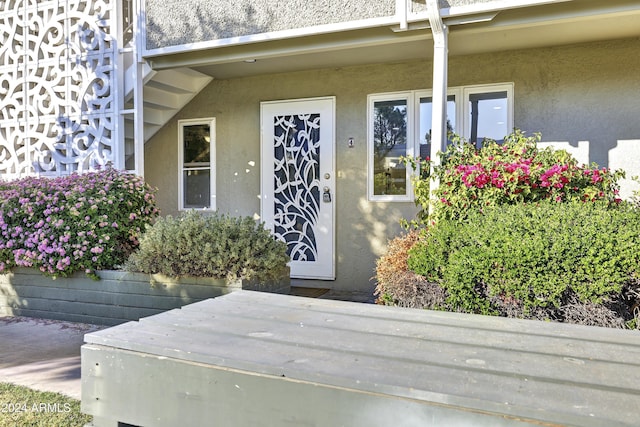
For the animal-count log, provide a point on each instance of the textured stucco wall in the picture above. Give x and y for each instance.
(570, 94)
(587, 92)
(176, 22)
(362, 227)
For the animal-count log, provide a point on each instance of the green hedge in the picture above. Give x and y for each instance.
(216, 246)
(537, 256)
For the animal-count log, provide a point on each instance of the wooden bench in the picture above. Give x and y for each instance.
(255, 359)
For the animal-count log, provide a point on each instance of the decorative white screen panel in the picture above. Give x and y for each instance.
(57, 86)
(297, 183)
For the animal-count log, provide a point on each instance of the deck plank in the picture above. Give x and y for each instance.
(543, 371)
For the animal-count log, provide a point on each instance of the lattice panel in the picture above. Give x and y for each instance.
(57, 98)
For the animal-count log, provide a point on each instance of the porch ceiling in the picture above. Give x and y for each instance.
(570, 22)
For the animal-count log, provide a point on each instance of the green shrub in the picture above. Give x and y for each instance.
(524, 232)
(81, 222)
(535, 256)
(513, 172)
(217, 246)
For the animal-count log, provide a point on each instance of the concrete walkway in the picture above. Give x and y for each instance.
(42, 354)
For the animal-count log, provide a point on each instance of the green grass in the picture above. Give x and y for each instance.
(22, 406)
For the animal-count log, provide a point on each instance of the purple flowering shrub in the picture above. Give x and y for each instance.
(74, 223)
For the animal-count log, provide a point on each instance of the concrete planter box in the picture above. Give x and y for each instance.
(117, 298)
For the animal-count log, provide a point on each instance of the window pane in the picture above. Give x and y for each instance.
(488, 116)
(389, 144)
(197, 143)
(197, 188)
(426, 109)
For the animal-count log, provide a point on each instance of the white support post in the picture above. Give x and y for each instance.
(138, 40)
(439, 111)
(402, 9)
(117, 81)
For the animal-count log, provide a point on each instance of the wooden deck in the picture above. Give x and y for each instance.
(256, 359)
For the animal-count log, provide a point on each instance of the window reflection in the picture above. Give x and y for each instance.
(426, 109)
(488, 117)
(197, 187)
(196, 166)
(390, 144)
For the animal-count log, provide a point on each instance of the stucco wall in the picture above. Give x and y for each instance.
(362, 228)
(587, 93)
(584, 95)
(177, 22)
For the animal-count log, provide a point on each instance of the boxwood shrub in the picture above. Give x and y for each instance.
(217, 246)
(535, 258)
(81, 222)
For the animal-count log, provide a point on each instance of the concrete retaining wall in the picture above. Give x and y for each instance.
(117, 298)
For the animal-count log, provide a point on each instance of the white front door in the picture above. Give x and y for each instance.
(298, 182)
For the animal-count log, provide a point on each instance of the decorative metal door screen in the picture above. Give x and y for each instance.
(298, 182)
(57, 86)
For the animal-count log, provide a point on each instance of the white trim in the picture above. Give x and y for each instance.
(140, 29)
(409, 96)
(402, 18)
(274, 35)
(479, 8)
(461, 121)
(211, 121)
(495, 5)
(298, 269)
(118, 83)
(487, 88)
(139, 118)
(139, 40)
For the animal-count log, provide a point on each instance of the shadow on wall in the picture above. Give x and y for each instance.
(196, 24)
(380, 222)
(622, 154)
(369, 224)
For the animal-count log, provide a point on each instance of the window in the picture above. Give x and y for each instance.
(400, 125)
(196, 156)
(424, 117)
(487, 113)
(390, 141)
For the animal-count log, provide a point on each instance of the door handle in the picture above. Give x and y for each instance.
(326, 195)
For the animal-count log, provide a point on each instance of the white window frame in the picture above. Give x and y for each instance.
(462, 122)
(455, 92)
(408, 96)
(211, 121)
(470, 90)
